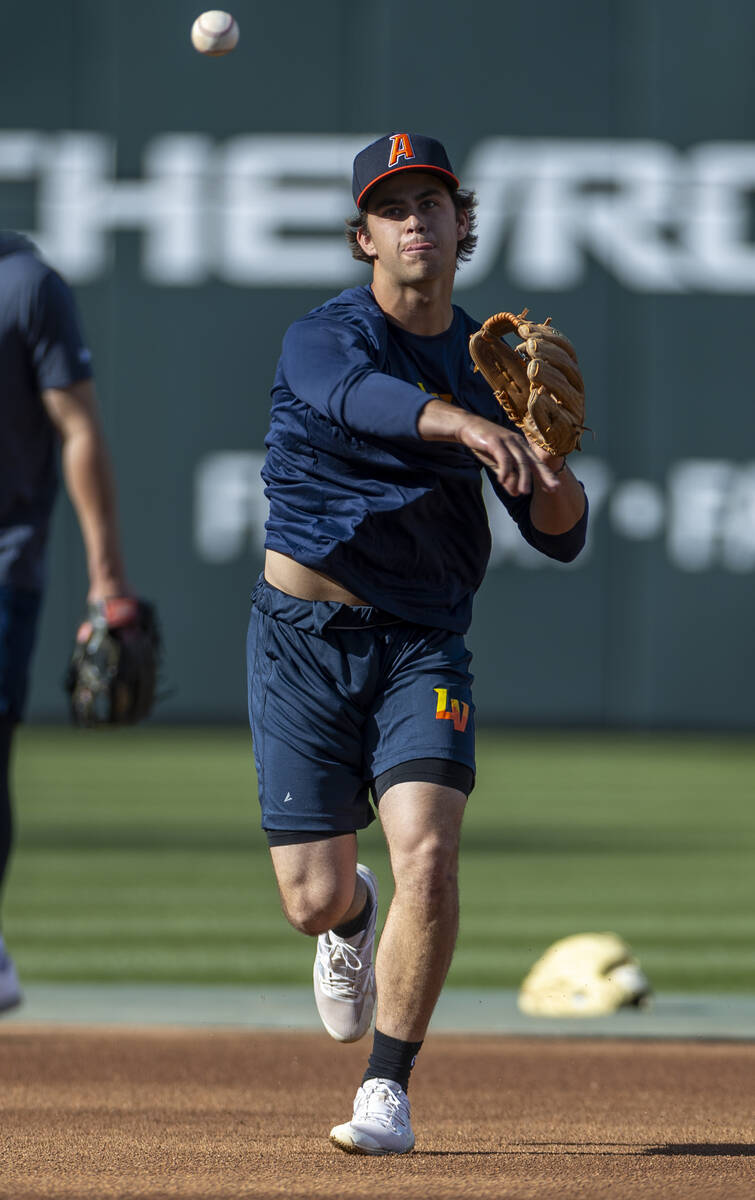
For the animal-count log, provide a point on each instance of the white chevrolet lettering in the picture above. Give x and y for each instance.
(719, 236)
(280, 198)
(267, 210)
(81, 204)
(563, 202)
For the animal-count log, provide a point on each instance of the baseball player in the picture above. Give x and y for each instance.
(47, 401)
(377, 540)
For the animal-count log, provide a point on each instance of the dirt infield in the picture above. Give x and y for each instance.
(114, 1113)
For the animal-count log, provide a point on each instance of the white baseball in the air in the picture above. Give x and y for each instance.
(214, 33)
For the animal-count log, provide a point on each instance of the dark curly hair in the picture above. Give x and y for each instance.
(464, 201)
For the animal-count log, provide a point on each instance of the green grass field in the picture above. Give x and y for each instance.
(140, 858)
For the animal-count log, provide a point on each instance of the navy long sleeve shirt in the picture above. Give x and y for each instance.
(355, 492)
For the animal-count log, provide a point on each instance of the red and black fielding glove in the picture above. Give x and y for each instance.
(112, 675)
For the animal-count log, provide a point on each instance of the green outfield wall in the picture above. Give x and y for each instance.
(197, 207)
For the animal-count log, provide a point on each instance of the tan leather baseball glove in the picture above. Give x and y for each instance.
(538, 384)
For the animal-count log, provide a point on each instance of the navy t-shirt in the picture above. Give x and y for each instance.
(355, 492)
(41, 347)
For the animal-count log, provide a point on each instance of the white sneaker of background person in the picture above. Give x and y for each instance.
(10, 988)
(344, 974)
(381, 1122)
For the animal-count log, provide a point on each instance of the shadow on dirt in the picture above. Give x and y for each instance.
(704, 1149)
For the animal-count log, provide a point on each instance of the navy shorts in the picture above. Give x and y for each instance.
(19, 611)
(340, 694)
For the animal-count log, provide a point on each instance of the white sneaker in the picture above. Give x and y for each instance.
(344, 975)
(10, 988)
(380, 1124)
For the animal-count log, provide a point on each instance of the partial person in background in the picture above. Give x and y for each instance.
(377, 541)
(48, 412)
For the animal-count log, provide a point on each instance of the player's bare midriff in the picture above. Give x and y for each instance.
(295, 579)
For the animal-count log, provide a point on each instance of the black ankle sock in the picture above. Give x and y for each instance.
(357, 923)
(391, 1059)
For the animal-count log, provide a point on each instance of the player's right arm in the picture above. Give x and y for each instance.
(557, 502)
(508, 455)
(331, 365)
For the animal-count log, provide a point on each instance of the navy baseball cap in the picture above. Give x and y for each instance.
(398, 152)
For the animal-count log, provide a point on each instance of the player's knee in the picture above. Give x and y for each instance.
(313, 910)
(429, 868)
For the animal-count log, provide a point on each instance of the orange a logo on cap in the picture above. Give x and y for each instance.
(401, 147)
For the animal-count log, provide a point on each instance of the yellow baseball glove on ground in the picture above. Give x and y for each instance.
(586, 975)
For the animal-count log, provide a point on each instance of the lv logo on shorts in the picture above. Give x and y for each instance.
(458, 713)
